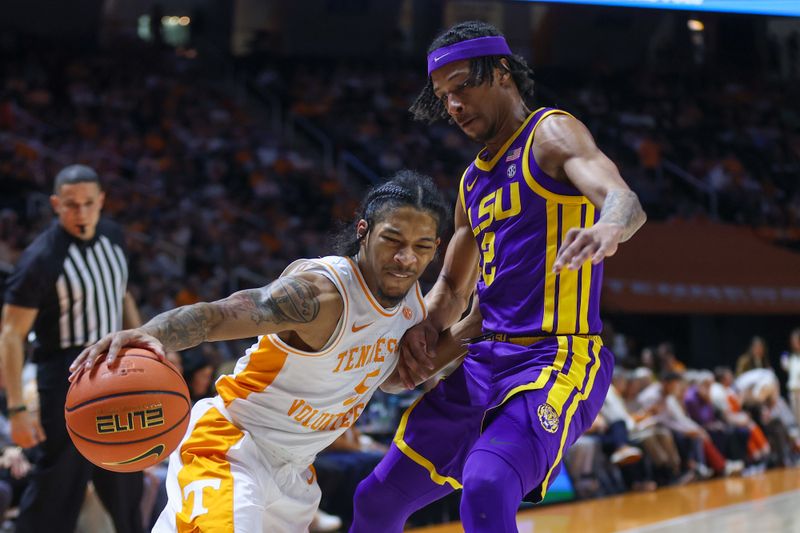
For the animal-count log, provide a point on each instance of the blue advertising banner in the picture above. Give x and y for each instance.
(790, 8)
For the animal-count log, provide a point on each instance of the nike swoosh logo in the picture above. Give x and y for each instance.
(356, 329)
(156, 450)
(471, 185)
(498, 442)
(436, 59)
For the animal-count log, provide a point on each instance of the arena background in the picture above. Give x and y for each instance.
(233, 135)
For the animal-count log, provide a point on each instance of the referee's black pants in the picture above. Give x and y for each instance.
(53, 499)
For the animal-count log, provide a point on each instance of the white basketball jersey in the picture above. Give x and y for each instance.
(296, 403)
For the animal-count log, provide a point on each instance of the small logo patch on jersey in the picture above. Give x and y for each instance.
(511, 171)
(407, 312)
(514, 154)
(471, 185)
(356, 329)
(548, 417)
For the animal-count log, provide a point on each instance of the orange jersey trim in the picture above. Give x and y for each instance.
(378, 307)
(264, 365)
(421, 302)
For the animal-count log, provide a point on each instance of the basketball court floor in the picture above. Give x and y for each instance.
(765, 503)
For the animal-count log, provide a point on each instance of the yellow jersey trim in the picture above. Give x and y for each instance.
(535, 186)
(579, 396)
(461, 191)
(489, 165)
(415, 456)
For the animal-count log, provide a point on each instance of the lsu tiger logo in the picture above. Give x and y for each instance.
(548, 417)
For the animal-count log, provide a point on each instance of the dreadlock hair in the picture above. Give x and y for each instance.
(429, 108)
(406, 188)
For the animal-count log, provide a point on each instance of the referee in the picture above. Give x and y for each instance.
(69, 286)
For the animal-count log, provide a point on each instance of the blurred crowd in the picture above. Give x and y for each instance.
(692, 145)
(663, 424)
(184, 166)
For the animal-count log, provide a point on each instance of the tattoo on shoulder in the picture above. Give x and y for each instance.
(286, 300)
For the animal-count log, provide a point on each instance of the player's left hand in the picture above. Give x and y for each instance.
(111, 345)
(417, 350)
(581, 244)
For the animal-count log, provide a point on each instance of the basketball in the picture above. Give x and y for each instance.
(129, 417)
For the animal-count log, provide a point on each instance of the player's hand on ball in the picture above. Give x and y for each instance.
(581, 244)
(417, 350)
(112, 344)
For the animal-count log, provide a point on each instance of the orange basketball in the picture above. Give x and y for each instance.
(131, 416)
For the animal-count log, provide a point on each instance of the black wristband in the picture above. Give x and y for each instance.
(16, 409)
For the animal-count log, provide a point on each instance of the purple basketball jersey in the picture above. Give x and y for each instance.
(519, 216)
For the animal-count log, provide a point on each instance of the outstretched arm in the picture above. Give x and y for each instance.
(287, 303)
(567, 151)
(305, 303)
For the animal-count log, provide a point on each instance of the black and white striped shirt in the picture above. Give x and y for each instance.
(77, 286)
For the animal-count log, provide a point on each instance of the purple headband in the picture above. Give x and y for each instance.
(482, 46)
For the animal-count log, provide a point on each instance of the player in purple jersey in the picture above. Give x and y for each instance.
(538, 211)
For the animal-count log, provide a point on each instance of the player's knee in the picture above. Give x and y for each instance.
(376, 508)
(369, 496)
(482, 484)
(489, 478)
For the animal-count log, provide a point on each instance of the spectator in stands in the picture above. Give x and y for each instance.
(760, 394)
(619, 423)
(727, 402)
(648, 360)
(730, 440)
(667, 360)
(14, 463)
(755, 357)
(697, 449)
(649, 433)
(14, 469)
(621, 437)
(197, 372)
(581, 463)
(790, 361)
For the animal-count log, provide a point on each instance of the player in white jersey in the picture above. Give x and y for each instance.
(328, 332)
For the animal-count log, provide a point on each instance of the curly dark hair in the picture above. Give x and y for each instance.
(429, 108)
(406, 188)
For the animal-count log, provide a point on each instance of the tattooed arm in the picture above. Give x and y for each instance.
(289, 303)
(307, 304)
(565, 149)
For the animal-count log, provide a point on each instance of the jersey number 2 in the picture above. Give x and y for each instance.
(487, 247)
